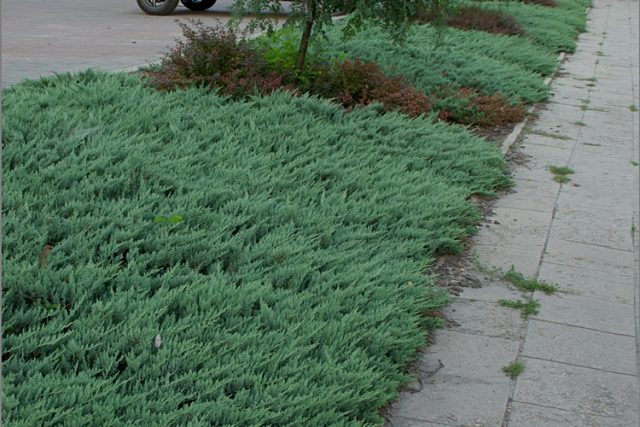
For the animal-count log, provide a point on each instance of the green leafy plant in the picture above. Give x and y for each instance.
(173, 219)
(513, 369)
(519, 281)
(561, 173)
(527, 307)
(313, 17)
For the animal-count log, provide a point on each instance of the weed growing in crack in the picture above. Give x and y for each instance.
(579, 123)
(633, 108)
(519, 281)
(513, 369)
(634, 163)
(549, 134)
(526, 307)
(561, 173)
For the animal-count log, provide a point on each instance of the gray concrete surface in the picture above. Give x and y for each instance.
(52, 36)
(580, 351)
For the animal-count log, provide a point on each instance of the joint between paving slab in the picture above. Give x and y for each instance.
(596, 245)
(420, 420)
(537, 319)
(577, 365)
(569, 411)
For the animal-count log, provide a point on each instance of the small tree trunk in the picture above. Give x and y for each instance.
(306, 35)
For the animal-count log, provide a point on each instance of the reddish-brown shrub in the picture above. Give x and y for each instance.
(214, 57)
(466, 106)
(547, 3)
(479, 19)
(361, 83)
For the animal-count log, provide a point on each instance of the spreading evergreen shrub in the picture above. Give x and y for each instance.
(429, 66)
(552, 28)
(177, 258)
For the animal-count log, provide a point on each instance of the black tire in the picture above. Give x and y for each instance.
(158, 7)
(198, 4)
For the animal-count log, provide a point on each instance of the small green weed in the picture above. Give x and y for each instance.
(561, 173)
(633, 229)
(579, 123)
(519, 281)
(527, 307)
(634, 163)
(633, 108)
(513, 369)
(173, 219)
(592, 144)
(591, 84)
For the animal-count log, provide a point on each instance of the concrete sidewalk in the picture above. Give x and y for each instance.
(580, 352)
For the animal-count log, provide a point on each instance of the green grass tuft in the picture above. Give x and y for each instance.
(513, 369)
(518, 280)
(561, 170)
(527, 308)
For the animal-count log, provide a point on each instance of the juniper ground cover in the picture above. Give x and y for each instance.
(277, 246)
(513, 66)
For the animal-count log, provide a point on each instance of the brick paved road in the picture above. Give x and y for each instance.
(46, 36)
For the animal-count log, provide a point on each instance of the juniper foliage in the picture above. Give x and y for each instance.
(553, 29)
(489, 63)
(289, 290)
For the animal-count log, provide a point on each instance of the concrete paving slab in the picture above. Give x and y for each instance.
(579, 346)
(592, 283)
(485, 318)
(463, 364)
(552, 139)
(569, 92)
(556, 119)
(458, 402)
(490, 292)
(524, 260)
(408, 422)
(576, 310)
(578, 389)
(515, 227)
(619, 198)
(602, 227)
(531, 195)
(526, 415)
(589, 256)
